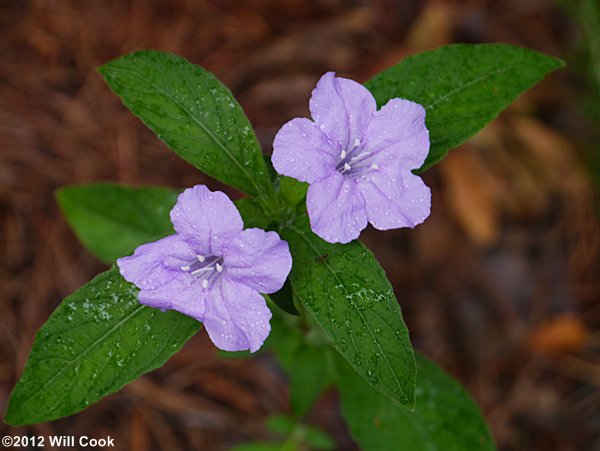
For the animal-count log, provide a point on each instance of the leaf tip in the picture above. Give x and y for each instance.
(560, 63)
(60, 195)
(12, 416)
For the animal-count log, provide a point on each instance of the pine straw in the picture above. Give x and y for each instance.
(512, 241)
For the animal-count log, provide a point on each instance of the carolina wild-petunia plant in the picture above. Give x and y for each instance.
(333, 319)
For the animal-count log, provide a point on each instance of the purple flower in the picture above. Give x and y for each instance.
(357, 160)
(212, 270)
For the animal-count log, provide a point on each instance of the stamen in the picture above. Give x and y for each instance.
(347, 167)
(374, 166)
(343, 154)
(200, 258)
(356, 142)
(201, 270)
(219, 268)
(185, 268)
(361, 156)
(204, 283)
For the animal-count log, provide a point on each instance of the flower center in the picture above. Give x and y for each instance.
(355, 162)
(207, 269)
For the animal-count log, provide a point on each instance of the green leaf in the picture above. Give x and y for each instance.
(193, 113)
(284, 299)
(317, 439)
(310, 375)
(348, 295)
(99, 339)
(252, 213)
(292, 190)
(281, 424)
(308, 365)
(302, 435)
(462, 87)
(445, 418)
(302, 353)
(112, 220)
(285, 337)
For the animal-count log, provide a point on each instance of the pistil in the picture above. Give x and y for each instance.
(353, 162)
(209, 266)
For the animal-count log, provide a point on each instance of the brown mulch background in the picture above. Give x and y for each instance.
(501, 285)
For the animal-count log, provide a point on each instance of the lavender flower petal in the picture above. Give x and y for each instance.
(183, 293)
(258, 259)
(395, 200)
(397, 135)
(342, 108)
(153, 264)
(302, 151)
(336, 209)
(237, 317)
(205, 219)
